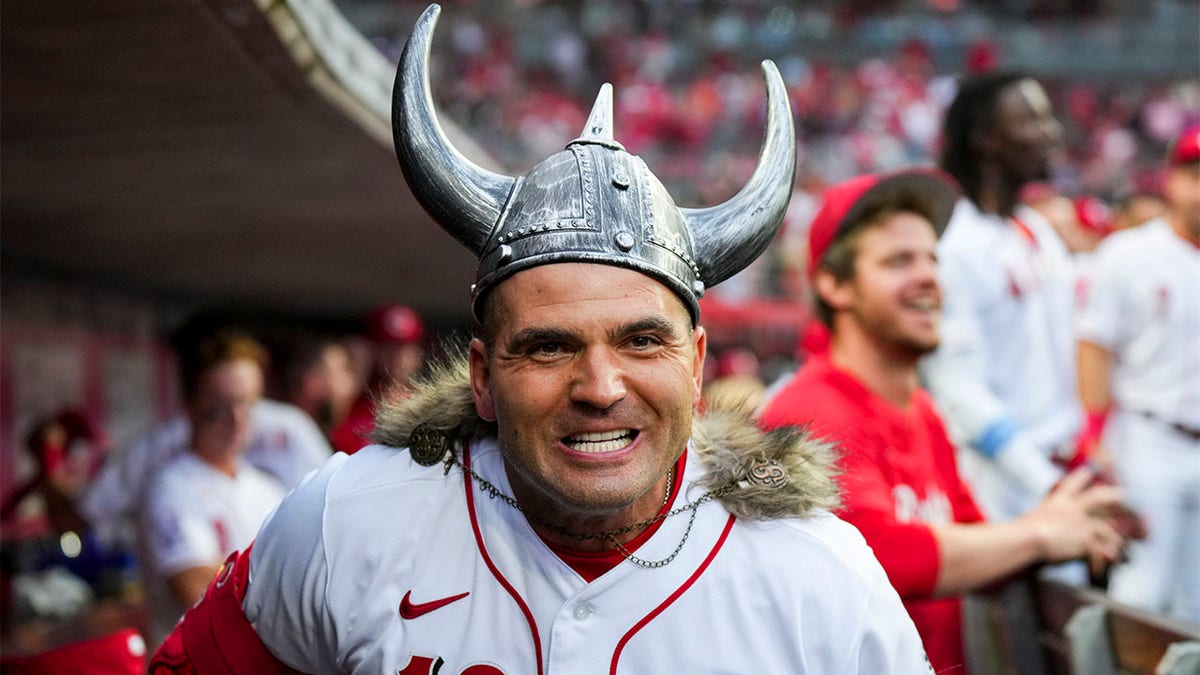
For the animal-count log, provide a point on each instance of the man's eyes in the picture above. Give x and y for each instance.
(644, 341)
(546, 349)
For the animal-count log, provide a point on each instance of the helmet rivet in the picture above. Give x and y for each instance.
(698, 287)
(505, 253)
(621, 181)
(624, 241)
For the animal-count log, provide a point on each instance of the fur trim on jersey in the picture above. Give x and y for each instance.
(728, 444)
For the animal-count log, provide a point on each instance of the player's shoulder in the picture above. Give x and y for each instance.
(966, 226)
(180, 470)
(182, 479)
(1129, 245)
(261, 480)
(826, 546)
(376, 471)
(346, 509)
(279, 414)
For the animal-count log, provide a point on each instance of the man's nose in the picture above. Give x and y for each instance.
(597, 380)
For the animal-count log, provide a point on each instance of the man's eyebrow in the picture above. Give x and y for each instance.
(527, 336)
(648, 325)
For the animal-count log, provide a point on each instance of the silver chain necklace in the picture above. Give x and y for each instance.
(609, 535)
(429, 446)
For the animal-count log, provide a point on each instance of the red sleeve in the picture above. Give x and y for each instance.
(214, 637)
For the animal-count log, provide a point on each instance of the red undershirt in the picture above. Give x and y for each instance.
(591, 565)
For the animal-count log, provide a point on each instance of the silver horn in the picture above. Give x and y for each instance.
(729, 236)
(464, 198)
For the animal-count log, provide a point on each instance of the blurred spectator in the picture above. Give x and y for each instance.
(397, 338)
(319, 378)
(1139, 380)
(207, 501)
(858, 109)
(67, 448)
(1003, 373)
(1136, 207)
(283, 441)
(736, 385)
(1095, 223)
(874, 259)
(1081, 222)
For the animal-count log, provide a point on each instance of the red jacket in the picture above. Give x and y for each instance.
(899, 476)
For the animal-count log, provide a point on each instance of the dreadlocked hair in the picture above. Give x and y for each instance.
(973, 112)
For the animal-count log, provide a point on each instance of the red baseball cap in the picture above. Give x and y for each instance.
(845, 206)
(395, 323)
(1093, 214)
(1186, 148)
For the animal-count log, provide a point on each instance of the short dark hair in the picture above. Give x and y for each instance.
(209, 352)
(973, 110)
(839, 261)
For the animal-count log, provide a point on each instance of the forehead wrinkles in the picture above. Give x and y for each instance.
(581, 298)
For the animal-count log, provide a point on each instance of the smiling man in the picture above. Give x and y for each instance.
(1004, 372)
(872, 254)
(208, 501)
(558, 509)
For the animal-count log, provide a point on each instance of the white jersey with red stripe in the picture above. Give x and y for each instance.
(1004, 373)
(284, 442)
(194, 516)
(1141, 303)
(377, 565)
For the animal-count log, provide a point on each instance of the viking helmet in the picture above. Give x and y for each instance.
(592, 202)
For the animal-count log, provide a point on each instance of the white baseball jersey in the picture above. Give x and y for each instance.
(284, 442)
(1004, 374)
(377, 565)
(194, 515)
(1142, 304)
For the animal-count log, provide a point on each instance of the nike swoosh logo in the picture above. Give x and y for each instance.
(411, 610)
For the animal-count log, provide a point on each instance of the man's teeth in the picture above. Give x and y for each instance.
(600, 441)
(925, 304)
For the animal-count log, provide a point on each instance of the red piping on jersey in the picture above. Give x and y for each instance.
(1026, 233)
(672, 598)
(537, 640)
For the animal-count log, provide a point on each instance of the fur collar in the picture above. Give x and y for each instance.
(728, 445)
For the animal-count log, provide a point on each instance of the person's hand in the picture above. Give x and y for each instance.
(1073, 521)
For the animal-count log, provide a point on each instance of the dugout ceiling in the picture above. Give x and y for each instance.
(202, 151)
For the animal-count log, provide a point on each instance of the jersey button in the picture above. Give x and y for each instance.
(582, 611)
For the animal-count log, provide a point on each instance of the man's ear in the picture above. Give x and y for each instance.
(479, 381)
(700, 342)
(837, 294)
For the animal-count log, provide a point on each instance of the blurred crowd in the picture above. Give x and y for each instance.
(149, 524)
(867, 88)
